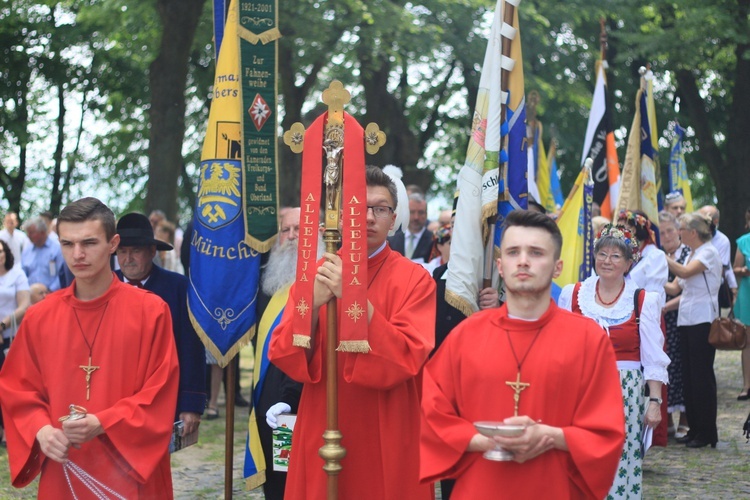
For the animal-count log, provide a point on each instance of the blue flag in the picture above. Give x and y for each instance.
(678, 179)
(224, 270)
(555, 178)
(221, 7)
(513, 187)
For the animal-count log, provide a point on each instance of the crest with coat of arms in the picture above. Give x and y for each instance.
(219, 196)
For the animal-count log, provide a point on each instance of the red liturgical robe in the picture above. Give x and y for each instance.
(378, 391)
(574, 385)
(133, 392)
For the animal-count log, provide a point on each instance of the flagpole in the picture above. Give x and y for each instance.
(532, 100)
(229, 431)
(603, 40)
(509, 11)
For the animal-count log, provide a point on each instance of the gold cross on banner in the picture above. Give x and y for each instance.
(89, 369)
(517, 386)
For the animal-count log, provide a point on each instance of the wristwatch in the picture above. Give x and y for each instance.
(656, 400)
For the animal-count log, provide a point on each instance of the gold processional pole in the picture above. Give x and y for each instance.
(333, 144)
(506, 68)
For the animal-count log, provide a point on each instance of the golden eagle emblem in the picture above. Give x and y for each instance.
(219, 193)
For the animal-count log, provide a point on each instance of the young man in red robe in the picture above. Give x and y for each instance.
(531, 364)
(101, 353)
(378, 392)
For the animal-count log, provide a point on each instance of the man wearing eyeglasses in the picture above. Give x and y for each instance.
(378, 391)
(416, 242)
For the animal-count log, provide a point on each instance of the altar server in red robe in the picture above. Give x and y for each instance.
(378, 391)
(102, 354)
(556, 371)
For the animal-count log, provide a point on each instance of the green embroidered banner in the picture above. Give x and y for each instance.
(259, 34)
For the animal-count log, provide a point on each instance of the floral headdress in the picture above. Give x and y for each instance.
(623, 234)
(639, 222)
(442, 235)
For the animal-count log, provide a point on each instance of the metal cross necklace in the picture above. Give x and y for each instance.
(89, 368)
(517, 385)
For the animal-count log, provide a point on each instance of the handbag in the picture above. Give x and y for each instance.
(727, 334)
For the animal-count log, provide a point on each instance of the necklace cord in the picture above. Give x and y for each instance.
(513, 350)
(377, 272)
(96, 332)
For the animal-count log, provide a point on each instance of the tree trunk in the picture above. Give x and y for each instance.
(167, 78)
(56, 196)
(728, 168)
(733, 182)
(290, 164)
(384, 108)
(13, 185)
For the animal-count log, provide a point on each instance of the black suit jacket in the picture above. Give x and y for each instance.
(172, 288)
(422, 250)
(447, 317)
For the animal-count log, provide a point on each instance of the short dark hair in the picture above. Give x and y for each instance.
(9, 261)
(87, 209)
(376, 177)
(527, 218)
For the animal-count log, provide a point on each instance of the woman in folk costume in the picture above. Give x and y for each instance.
(611, 298)
(650, 272)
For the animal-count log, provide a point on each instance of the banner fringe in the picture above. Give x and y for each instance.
(299, 340)
(255, 481)
(360, 346)
(222, 359)
(459, 303)
(258, 245)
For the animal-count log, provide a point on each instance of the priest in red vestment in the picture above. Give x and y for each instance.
(378, 391)
(568, 399)
(102, 353)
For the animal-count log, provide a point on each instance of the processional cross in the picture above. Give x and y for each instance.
(89, 369)
(335, 96)
(517, 387)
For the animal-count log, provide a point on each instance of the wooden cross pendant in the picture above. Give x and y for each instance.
(517, 387)
(89, 369)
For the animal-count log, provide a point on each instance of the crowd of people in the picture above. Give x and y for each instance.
(642, 294)
(587, 381)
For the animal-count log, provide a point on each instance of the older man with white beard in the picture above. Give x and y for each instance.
(273, 391)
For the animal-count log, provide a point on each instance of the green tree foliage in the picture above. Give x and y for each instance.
(702, 51)
(78, 84)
